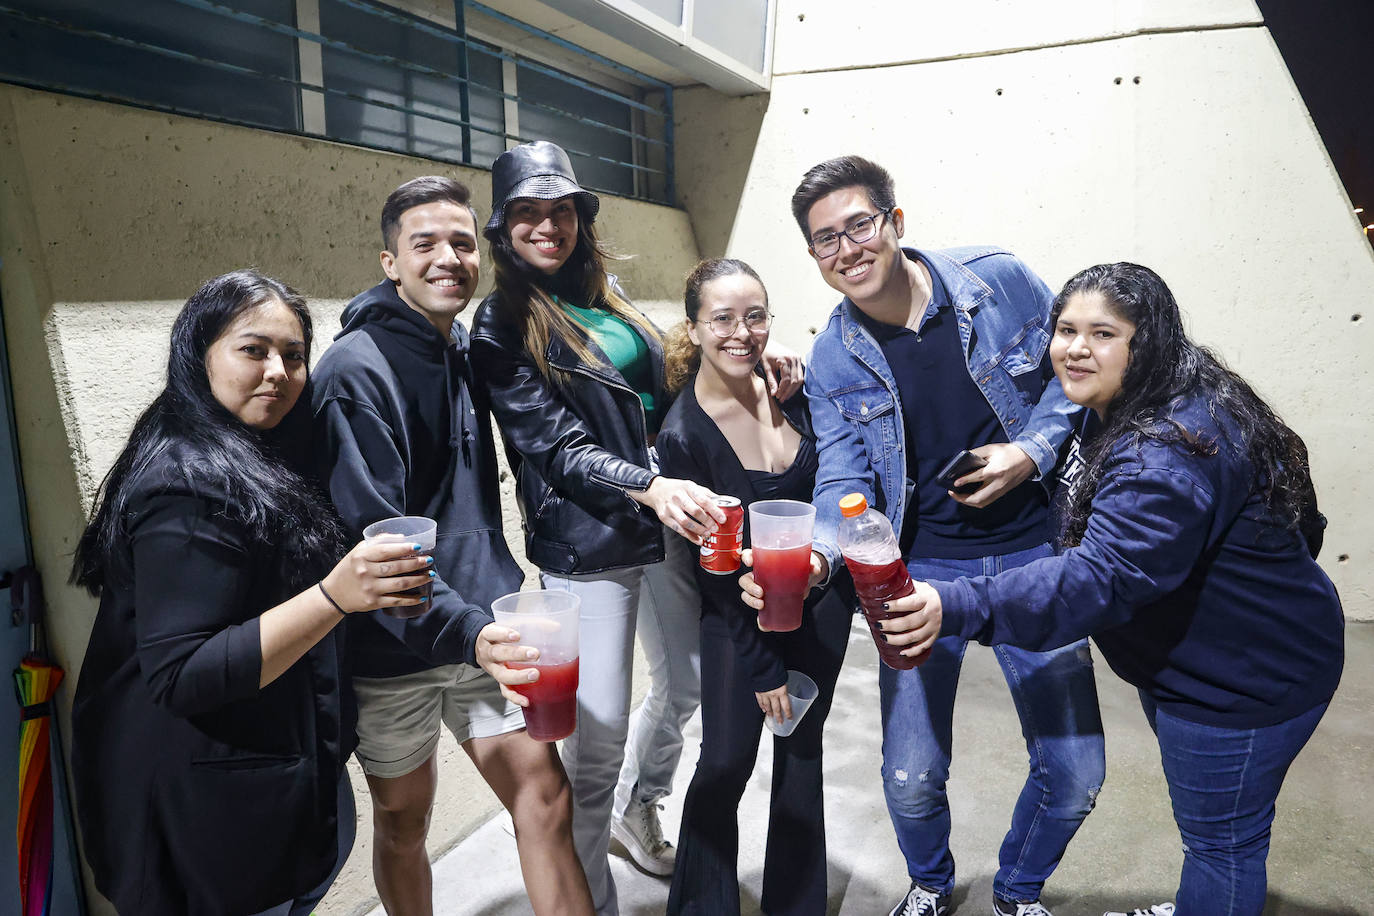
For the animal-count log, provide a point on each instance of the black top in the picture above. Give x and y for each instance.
(691, 446)
(799, 477)
(197, 791)
(944, 412)
(575, 445)
(402, 430)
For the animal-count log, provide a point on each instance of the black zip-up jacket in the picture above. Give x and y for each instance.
(402, 430)
(691, 446)
(576, 448)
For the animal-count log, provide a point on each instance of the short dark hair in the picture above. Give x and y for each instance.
(835, 174)
(415, 193)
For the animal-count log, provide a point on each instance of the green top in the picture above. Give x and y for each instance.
(624, 348)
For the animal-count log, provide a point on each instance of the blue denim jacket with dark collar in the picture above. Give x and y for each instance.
(1003, 312)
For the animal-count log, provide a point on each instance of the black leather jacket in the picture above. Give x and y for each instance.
(575, 447)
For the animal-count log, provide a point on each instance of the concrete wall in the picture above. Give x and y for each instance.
(110, 217)
(1167, 133)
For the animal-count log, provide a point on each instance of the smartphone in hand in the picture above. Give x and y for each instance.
(957, 467)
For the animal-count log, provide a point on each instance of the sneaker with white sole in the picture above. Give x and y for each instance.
(639, 832)
(1002, 907)
(1159, 909)
(921, 902)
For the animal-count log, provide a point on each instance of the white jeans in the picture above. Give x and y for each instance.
(604, 772)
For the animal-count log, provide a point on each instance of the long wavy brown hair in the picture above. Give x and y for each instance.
(523, 291)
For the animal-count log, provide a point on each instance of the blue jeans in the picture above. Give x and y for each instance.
(1056, 699)
(1223, 783)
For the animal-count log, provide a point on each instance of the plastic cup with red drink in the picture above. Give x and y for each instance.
(407, 529)
(547, 620)
(780, 536)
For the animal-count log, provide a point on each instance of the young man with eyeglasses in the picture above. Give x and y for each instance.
(929, 353)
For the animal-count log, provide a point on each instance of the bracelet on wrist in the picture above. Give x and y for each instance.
(330, 599)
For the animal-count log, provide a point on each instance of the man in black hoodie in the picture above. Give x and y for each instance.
(403, 430)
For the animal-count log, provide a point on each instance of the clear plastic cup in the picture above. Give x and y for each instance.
(780, 536)
(547, 620)
(407, 529)
(802, 691)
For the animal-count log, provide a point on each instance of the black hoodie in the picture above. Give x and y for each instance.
(402, 430)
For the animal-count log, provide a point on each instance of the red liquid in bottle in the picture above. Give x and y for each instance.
(552, 713)
(782, 573)
(875, 585)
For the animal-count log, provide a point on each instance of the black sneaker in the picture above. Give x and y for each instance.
(921, 902)
(1159, 909)
(1002, 907)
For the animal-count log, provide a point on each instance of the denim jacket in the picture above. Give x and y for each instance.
(1003, 312)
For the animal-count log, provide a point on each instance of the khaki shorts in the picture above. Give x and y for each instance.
(398, 717)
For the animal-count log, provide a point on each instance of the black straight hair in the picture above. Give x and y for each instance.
(1162, 366)
(263, 476)
(835, 175)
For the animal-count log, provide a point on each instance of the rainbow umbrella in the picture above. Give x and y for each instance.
(35, 682)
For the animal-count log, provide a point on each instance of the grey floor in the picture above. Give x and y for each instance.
(1126, 854)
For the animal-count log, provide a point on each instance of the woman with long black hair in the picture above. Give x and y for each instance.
(1190, 538)
(575, 373)
(211, 720)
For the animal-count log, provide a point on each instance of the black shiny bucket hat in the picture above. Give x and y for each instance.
(540, 170)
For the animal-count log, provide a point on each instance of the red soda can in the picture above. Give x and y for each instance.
(720, 550)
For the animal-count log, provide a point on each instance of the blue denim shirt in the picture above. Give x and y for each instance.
(1003, 312)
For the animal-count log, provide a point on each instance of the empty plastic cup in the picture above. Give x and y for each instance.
(407, 529)
(802, 691)
(547, 620)
(780, 535)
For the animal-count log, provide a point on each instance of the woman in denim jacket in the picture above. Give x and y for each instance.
(1190, 542)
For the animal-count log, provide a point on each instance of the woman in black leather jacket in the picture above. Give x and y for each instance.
(575, 374)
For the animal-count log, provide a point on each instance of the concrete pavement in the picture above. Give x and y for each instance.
(1127, 853)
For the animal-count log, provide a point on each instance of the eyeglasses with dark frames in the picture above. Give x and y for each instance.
(863, 229)
(724, 326)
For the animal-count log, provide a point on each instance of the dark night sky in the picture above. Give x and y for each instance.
(1329, 48)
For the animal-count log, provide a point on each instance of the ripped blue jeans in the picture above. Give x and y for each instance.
(1056, 699)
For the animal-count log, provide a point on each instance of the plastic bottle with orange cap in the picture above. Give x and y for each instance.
(875, 561)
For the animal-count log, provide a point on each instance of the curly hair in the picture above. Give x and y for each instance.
(1163, 365)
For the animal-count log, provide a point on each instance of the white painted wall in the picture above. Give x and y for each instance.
(1167, 133)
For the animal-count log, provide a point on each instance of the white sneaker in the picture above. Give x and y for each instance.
(1159, 909)
(1012, 908)
(642, 836)
(921, 902)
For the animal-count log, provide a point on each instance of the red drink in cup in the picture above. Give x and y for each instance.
(407, 529)
(552, 713)
(782, 573)
(780, 535)
(547, 620)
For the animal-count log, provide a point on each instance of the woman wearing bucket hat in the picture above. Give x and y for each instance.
(576, 379)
